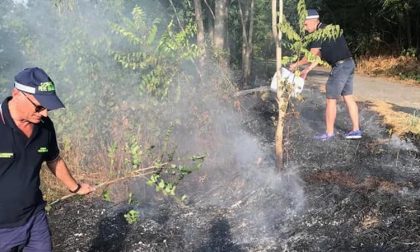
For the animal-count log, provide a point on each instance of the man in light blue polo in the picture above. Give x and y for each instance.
(340, 81)
(27, 140)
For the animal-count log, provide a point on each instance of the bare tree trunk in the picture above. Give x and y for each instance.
(220, 30)
(247, 19)
(210, 31)
(408, 28)
(244, 20)
(418, 35)
(200, 32)
(282, 94)
(210, 23)
(400, 35)
(176, 15)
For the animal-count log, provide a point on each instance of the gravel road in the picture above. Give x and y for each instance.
(368, 88)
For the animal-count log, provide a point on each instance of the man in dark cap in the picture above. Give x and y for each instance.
(27, 140)
(340, 81)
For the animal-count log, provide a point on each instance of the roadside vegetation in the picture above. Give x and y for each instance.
(404, 68)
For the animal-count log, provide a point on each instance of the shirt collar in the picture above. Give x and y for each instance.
(319, 25)
(1, 114)
(5, 113)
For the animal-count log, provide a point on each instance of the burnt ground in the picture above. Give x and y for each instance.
(340, 195)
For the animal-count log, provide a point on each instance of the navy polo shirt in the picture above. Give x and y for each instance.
(20, 164)
(332, 50)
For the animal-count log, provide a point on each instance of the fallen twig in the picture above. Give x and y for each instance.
(136, 173)
(252, 90)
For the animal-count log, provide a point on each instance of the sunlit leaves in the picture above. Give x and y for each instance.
(157, 55)
(166, 179)
(302, 14)
(161, 185)
(328, 32)
(299, 41)
(288, 30)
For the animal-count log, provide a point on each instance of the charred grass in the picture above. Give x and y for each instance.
(335, 196)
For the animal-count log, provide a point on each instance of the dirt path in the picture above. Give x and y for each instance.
(377, 89)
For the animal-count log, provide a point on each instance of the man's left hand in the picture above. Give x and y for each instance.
(304, 74)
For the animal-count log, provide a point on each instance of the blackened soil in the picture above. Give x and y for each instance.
(340, 195)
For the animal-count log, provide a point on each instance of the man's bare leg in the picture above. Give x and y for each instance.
(330, 114)
(353, 111)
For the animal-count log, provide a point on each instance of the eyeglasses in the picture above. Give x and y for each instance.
(38, 108)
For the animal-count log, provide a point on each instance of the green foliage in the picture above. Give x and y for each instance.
(329, 32)
(106, 196)
(302, 14)
(132, 216)
(112, 149)
(299, 40)
(166, 179)
(135, 153)
(161, 185)
(157, 56)
(409, 52)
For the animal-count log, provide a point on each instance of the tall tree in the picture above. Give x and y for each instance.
(200, 31)
(282, 94)
(246, 11)
(220, 30)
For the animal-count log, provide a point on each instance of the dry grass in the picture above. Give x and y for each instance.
(370, 220)
(400, 123)
(405, 68)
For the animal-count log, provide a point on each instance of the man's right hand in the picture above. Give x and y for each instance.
(85, 189)
(293, 67)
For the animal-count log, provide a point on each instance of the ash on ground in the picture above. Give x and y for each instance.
(338, 195)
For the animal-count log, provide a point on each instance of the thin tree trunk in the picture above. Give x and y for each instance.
(200, 32)
(247, 20)
(220, 24)
(182, 28)
(400, 33)
(210, 31)
(250, 42)
(244, 19)
(408, 28)
(209, 8)
(210, 23)
(176, 14)
(418, 35)
(282, 96)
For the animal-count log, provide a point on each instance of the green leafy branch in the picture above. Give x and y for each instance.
(157, 56)
(299, 40)
(132, 216)
(167, 177)
(326, 33)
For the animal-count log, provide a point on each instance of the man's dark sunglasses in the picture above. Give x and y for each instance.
(38, 108)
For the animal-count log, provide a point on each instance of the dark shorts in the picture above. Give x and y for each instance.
(340, 81)
(34, 236)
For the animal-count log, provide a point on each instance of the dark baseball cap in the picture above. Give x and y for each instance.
(312, 14)
(36, 81)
